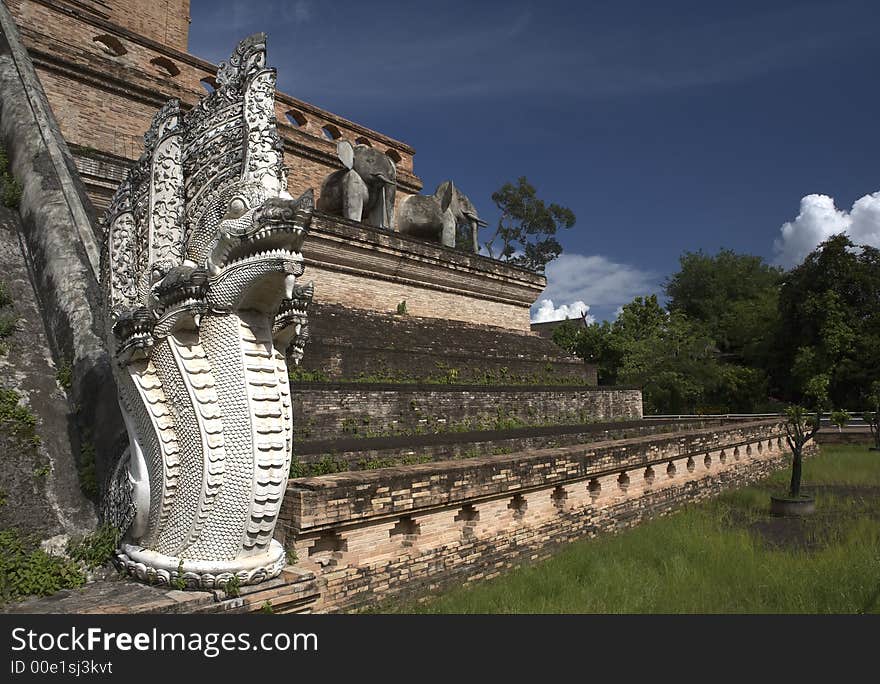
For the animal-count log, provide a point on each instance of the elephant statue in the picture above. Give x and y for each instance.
(362, 191)
(439, 216)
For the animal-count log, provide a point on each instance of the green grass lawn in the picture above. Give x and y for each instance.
(724, 556)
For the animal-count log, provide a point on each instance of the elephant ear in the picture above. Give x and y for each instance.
(446, 195)
(345, 152)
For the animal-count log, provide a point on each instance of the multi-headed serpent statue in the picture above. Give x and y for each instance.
(200, 275)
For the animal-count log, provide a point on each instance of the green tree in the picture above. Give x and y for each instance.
(830, 322)
(527, 227)
(596, 344)
(800, 428)
(671, 358)
(736, 297)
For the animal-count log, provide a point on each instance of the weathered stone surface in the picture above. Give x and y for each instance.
(438, 217)
(293, 591)
(38, 481)
(364, 189)
(60, 241)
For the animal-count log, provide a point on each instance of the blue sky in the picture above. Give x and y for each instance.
(666, 126)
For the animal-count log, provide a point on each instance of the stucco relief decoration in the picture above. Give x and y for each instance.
(200, 271)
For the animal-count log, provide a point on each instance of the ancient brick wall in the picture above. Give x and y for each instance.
(345, 410)
(374, 534)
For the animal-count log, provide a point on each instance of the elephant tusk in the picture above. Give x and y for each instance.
(473, 217)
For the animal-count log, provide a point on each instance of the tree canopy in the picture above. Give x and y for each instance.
(829, 322)
(527, 227)
(739, 335)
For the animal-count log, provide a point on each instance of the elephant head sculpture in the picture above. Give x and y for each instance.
(364, 190)
(439, 216)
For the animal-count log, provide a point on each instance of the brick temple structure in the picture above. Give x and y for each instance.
(108, 65)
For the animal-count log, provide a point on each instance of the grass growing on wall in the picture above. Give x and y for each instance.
(724, 556)
(10, 188)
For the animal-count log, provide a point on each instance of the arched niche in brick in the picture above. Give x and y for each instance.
(295, 118)
(394, 155)
(165, 65)
(209, 83)
(110, 44)
(331, 132)
(361, 140)
(649, 475)
(623, 482)
(594, 488)
(671, 470)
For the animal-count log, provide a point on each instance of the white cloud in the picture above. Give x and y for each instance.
(594, 281)
(819, 219)
(548, 312)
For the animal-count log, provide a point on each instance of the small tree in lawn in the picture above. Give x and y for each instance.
(840, 418)
(801, 426)
(872, 417)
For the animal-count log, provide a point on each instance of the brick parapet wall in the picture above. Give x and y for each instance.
(323, 412)
(375, 534)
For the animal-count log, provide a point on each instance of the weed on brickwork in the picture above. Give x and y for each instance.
(329, 464)
(232, 587)
(724, 556)
(16, 419)
(95, 549)
(27, 570)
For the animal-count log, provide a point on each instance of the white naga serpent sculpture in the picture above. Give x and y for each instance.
(199, 272)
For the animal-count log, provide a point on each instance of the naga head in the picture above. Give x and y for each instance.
(204, 221)
(200, 273)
